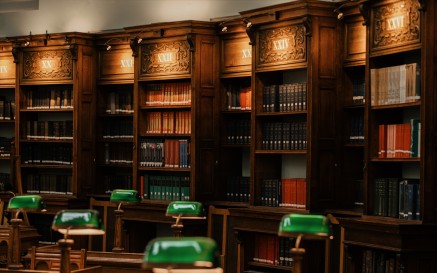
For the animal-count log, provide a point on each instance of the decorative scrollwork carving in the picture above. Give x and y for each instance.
(53, 64)
(396, 24)
(165, 58)
(285, 44)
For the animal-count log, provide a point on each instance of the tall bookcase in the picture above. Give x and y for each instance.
(7, 116)
(55, 97)
(353, 84)
(115, 112)
(294, 118)
(235, 112)
(397, 230)
(114, 127)
(176, 105)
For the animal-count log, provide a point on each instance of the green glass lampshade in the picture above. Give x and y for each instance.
(185, 209)
(125, 196)
(308, 225)
(26, 202)
(78, 222)
(182, 252)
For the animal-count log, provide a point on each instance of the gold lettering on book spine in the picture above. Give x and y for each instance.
(396, 24)
(173, 57)
(281, 45)
(53, 65)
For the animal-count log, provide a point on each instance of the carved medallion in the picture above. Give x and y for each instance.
(53, 65)
(282, 45)
(396, 24)
(165, 58)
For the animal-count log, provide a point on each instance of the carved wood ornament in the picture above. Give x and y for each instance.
(285, 44)
(172, 57)
(396, 24)
(54, 64)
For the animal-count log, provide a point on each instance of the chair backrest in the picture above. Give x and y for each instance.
(49, 258)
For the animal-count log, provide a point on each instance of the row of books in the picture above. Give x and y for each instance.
(50, 99)
(118, 154)
(238, 131)
(284, 135)
(177, 93)
(49, 129)
(165, 187)
(285, 192)
(118, 128)
(119, 102)
(270, 249)
(168, 122)
(47, 153)
(238, 189)
(395, 84)
(117, 181)
(399, 140)
(5, 146)
(238, 97)
(171, 153)
(7, 109)
(356, 133)
(378, 262)
(288, 97)
(358, 90)
(48, 183)
(397, 198)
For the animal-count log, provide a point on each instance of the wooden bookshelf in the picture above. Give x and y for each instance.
(398, 220)
(55, 95)
(7, 116)
(235, 112)
(115, 114)
(175, 100)
(294, 123)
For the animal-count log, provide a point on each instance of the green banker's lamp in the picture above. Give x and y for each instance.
(184, 210)
(16, 205)
(75, 222)
(307, 226)
(121, 197)
(183, 254)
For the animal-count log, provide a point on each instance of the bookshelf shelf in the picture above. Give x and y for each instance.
(115, 116)
(397, 176)
(7, 116)
(292, 122)
(175, 91)
(47, 166)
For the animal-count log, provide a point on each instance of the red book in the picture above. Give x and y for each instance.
(301, 193)
(382, 145)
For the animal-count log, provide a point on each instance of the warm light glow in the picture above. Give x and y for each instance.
(82, 231)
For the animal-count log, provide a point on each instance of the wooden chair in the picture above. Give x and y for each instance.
(49, 258)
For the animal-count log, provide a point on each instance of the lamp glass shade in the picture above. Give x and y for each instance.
(125, 196)
(78, 222)
(185, 209)
(181, 252)
(26, 202)
(308, 225)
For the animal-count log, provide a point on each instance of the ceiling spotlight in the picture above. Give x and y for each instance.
(248, 23)
(27, 42)
(224, 28)
(108, 46)
(139, 40)
(340, 15)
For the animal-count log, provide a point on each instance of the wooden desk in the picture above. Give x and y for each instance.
(116, 262)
